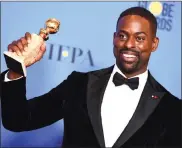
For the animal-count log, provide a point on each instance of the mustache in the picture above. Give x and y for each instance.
(124, 50)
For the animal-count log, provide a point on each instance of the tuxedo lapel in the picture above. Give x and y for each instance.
(97, 82)
(149, 100)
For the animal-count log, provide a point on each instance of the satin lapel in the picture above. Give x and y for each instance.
(96, 88)
(149, 100)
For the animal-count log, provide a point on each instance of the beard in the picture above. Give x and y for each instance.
(128, 66)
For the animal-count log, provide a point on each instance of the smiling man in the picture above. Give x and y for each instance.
(134, 40)
(122, 106)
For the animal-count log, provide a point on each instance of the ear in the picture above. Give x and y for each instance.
(114, 36)
(155, 44)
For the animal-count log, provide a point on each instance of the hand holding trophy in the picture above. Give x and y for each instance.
(29, 49)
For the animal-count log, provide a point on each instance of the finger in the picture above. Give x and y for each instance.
(24, 43)
(15, 49)
(9, 48)
(41, 52)
(43, 47)
(20, 45)
(28, 37)
(10, 45)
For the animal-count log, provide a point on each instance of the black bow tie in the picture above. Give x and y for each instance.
(118, 79)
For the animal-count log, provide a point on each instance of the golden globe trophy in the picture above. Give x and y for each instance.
(18, 63)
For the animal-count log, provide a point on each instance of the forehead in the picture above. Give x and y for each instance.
(133, 24)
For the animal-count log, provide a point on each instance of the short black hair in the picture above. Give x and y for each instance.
(143, 13)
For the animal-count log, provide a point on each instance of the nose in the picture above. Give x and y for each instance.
(130, 43)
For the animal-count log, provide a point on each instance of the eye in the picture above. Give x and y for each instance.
(122, 36)
(140, 39)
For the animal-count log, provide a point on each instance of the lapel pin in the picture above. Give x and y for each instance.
(155, 97)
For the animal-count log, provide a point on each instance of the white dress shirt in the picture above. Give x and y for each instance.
(118, 106)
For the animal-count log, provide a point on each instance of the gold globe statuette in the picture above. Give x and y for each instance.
(18, 63)
(52, 26)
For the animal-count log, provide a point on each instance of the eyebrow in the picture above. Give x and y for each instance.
(137, 33)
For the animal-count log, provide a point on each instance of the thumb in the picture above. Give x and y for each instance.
(41, 51)
(43, 47)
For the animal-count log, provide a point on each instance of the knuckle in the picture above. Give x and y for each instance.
(15, 47)
(14, 42)
(12, 47)
(22, 38)
(9, 45)
(19, 44)
(19, 40)
(27, 34)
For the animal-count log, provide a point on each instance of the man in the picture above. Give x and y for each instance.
(122, 106)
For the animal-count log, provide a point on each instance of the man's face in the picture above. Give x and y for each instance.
(133, 43)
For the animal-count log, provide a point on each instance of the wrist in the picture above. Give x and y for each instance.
(13, 75)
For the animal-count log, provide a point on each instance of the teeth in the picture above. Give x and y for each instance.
(129, 56)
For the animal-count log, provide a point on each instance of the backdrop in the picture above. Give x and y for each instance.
(83, 43)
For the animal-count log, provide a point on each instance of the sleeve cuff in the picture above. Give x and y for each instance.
(7, 80)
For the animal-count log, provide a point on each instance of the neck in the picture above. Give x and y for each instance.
(132, 74)
(129, 75)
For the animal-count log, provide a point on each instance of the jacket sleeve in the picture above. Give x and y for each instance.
(20, 114)
(172, 133)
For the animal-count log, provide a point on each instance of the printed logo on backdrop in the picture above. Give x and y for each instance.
(68, 54)
(163, 12)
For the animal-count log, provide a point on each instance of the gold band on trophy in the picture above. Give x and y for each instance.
(52, 26)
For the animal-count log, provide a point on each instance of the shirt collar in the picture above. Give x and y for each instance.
(142, 77)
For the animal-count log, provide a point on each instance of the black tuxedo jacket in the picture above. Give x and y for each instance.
(156, 122)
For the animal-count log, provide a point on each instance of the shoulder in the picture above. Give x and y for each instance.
(173, 102)
(169, 100)
(171, 107)
(157, 86)
(98, 72)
